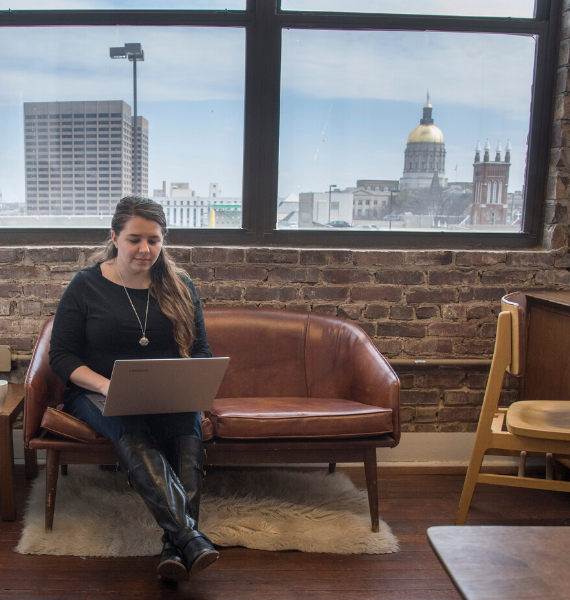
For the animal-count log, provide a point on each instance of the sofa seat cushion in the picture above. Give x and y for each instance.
(263, 418)
(63, 425)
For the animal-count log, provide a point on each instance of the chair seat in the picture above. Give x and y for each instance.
(545, 419)
(291, 417)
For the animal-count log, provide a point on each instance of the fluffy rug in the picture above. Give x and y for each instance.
(97, 514)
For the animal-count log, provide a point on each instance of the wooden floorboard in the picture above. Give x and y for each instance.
(409, 503)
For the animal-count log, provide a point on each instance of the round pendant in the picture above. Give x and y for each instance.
(143, 341)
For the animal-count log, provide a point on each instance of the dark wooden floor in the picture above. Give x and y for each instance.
(409, 503)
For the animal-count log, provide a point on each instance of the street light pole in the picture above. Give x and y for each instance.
(134, 53)
(330, 190)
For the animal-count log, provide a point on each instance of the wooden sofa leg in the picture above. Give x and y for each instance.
(371, 470)
(52, 471)
(332, 468)
(31, 461)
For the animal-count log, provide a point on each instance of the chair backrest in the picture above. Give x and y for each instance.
(516, 304)
(43, 387)
(278, 353)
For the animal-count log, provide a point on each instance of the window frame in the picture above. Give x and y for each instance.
(263, 21)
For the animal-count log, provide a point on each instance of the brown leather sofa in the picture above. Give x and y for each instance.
(300, 388)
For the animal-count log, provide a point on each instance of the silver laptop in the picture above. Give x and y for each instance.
(167, 385)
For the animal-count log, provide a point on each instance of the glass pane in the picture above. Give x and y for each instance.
(123, 4)
(466, 8)
(67, 126)
(362, 145)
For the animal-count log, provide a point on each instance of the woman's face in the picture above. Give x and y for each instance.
(138, 245)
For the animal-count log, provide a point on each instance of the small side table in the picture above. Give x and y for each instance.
(13, 406)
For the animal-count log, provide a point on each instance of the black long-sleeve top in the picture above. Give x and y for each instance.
(95, 325)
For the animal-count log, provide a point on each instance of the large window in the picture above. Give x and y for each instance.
(289, 123)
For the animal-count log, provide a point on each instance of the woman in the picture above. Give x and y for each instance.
(135, 303)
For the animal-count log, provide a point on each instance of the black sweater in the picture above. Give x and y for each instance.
(95, 325)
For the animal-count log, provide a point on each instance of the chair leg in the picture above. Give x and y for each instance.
(522, 464)
(469, 485)
(332, 468)
(52, 471)
(64, 470)
(30, 458)
(371, 470)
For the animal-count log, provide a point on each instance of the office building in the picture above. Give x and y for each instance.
(79, 157)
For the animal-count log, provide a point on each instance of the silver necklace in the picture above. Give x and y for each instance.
(144, 340)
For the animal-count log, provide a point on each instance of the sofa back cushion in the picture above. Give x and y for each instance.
(266, 347)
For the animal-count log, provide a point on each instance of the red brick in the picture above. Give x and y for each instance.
(180, 255)
(292, 275)
(10, 290)
(240, 273)
(504, 276)
(492, 294)
(425, 428)
(9, 255)
(272, 256)
(325, 293)
(416, 397)
(200, 273)
(368, 327)
(401, 330)
(218, 255)
(55, 290)
(427, 347)
(452, 312)
(427, 312)
(376, 292)
(429, 257)
(439, 378)
(62, 273)
(479, 311)
(530, 259)
(376, 311)
(388, 347)
(326, 257)
(300, 306)
(26, 326)
(326, 309)
(420, 296)
(552, 278)
(17, 343)
(479, 259)
(459, 413)
(382, 258)
(463, 397)
(350, 311)
(53, 255)
(23, 273)
(401, 313)
(453, 329)
(510, 382)
(5, 307)
(452, 277)
(555, 237)
(4, 326)
(453, 427)
(488, 330)
(400, 277)
(406, 379)
(31, 308)
(49, 308)
(477, 379)
(34, 289)
(406, 414)
(345, 276)
(508, 397)
(266, 294)
(425, 414)
(475, 346)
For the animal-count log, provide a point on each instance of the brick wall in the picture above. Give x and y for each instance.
(428, 304)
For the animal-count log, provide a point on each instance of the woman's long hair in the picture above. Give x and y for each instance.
(166, 285)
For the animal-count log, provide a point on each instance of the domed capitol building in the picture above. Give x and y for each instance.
(425, 154)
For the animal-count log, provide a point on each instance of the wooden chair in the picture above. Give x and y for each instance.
(537, 426)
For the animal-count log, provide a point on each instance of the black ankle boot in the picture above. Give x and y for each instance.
(171, 565)
(153, 478)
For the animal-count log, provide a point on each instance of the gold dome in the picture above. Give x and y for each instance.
(426, 133)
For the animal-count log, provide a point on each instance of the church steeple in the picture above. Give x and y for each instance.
(427, 118)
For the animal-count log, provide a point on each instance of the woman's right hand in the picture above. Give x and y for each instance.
(86, 378)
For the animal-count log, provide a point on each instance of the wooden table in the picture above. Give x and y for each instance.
(492, 563)
(13, 406)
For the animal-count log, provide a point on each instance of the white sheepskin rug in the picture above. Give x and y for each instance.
(98, 514)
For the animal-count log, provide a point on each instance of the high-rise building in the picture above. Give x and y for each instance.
(424, 157)
(80, 157)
